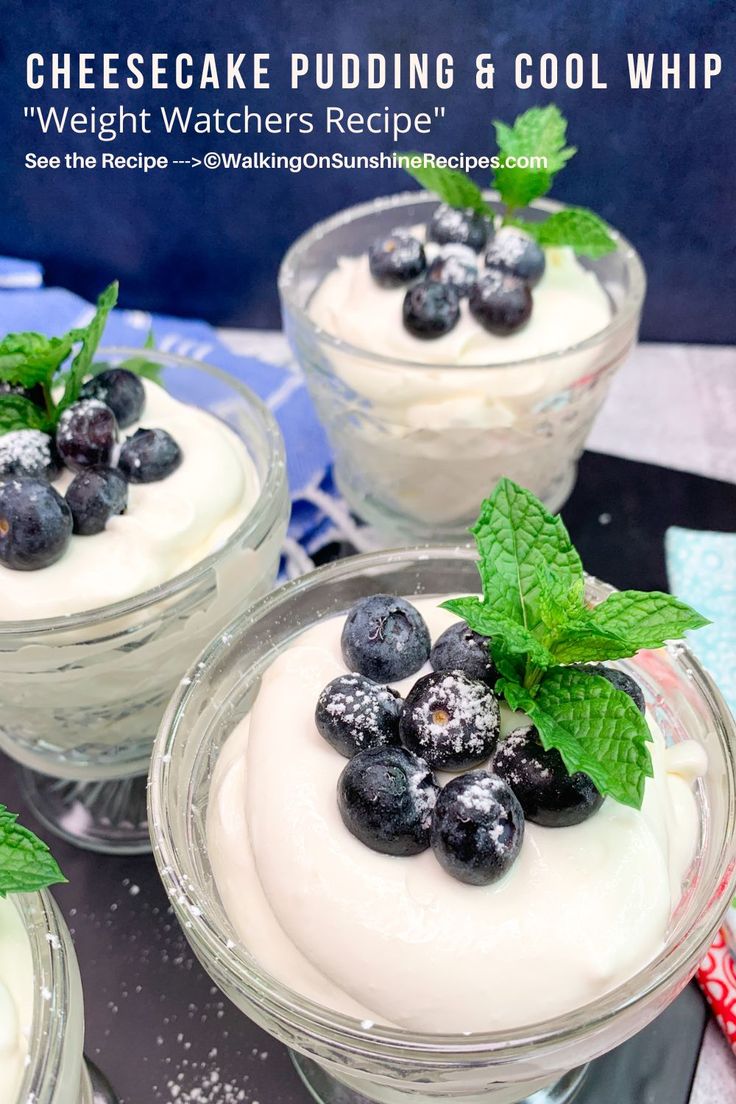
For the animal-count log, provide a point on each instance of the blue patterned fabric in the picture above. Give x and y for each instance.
(317, 513)
(702, 571)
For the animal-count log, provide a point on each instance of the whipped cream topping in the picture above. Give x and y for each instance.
(398, 941)
(570, 305)
(167, 528)
(421, 429)
(16, 1000)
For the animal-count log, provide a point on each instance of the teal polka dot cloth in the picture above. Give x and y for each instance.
(702, 572)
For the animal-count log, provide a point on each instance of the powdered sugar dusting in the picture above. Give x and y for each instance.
(26, 452)
(359, 706)
(453, 713)
(481, 795)
(524, 764)
(507, 247)
(424, 795)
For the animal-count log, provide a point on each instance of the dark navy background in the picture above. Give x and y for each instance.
(660, 166)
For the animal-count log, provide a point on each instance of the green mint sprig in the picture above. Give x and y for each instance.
(454, 188)
(533, 608)
(538, 132)
(26, 864)
(35, 363)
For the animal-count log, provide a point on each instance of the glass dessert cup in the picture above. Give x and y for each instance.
(56, 1072)
(82, 695)
(416, 446)
(346, 1061)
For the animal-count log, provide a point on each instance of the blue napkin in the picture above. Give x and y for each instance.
(317, 516)
(702, 572)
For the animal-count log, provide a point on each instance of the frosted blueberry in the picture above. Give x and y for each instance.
(451, 720)
(386, 797)
(478, 828)
(354, 713)
(547, 792)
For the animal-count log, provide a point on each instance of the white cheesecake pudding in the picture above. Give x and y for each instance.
(168, 525)
(130, 533)
(16, 1000)
(570, 305)
(397, 940)
(429, 397)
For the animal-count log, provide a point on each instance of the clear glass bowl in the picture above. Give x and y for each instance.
(342, 1059)
(83, 694)
(56, 1072)
(416, 447)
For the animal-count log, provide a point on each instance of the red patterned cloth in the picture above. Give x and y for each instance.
(717, 978)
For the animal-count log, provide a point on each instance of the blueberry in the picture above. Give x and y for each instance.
(29, 452)
(94, 496)
(516, 254)
(548, 793)
(396, 259)
(450, 225)
(454, 265)
(501, 304)
(35, 524)
(385, 638)
(431, 309)
(478, 828)
(619, 679)
(460, 648)
(149, 455)
(119, 389)
(354, 713)
(386, 796)
(86, 434)
(451, 720)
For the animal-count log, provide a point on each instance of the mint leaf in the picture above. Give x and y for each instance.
(516, 696)
(31, 358)
(534, 612)
(581, 642)
(518, 539)
(90, 337)
(645, 620)
(517, 640)
(596, 728)
(454, 188)
(576, 227)
(26, 864)
(560, 600)
(18, 412)
(539, 132)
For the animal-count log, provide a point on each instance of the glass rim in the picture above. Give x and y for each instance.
(251, 525)
(630, 307)
(50, 948)
(243, 972)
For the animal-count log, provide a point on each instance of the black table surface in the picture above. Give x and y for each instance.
(161, 1031)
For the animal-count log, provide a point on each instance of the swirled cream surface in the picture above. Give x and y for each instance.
(397, 940)
(167, 528)
(570, 305)
(16, 1000)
